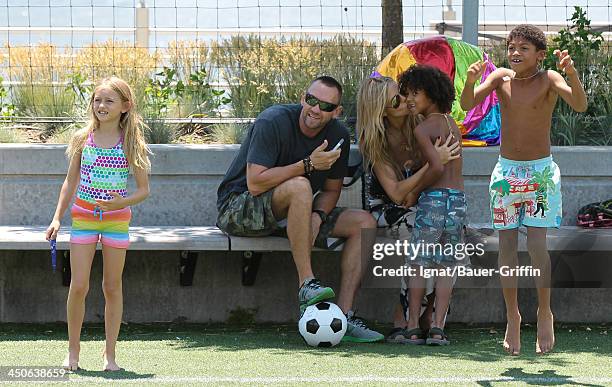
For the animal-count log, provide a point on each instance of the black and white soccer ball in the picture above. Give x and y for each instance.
(322, 325)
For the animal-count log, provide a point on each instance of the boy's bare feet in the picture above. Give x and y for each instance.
(110, 364)
(546, 333)
(71, 362)
(512, 339)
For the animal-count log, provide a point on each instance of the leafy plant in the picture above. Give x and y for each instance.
(162, 93)
(198, 98)
(7, 109)
(80, 86)
(593, 64)
(579, 39)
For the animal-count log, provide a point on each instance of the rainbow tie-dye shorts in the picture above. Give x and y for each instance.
(90, 225)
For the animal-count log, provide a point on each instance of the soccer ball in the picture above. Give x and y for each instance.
(322, 325)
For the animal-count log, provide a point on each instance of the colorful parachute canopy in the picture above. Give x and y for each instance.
(481, 125)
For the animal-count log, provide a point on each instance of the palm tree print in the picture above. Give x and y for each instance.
(543, 179)
(502, 187)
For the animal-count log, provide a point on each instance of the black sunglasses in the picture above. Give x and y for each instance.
(314, 101)
(396, 101)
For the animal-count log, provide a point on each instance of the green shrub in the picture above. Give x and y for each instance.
(230, 133)
(40, 100)
(159, 132)
(591, 58)
(262, 72)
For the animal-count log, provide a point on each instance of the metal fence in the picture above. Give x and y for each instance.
(198, 61)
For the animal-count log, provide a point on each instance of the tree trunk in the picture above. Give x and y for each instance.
(392, 25)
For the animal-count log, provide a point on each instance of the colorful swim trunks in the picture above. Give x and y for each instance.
(525, 193)
(90, 224)
(438, 228)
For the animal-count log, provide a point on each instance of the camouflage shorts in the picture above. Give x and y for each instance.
(440, 217)
(243, 214)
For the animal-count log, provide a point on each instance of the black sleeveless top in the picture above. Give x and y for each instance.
(384, 210)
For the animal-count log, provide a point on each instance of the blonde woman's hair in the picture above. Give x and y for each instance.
(131, 125)
(371, 102)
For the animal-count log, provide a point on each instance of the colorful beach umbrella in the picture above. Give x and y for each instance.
(479, 126)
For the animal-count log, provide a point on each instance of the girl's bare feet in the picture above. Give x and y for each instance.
(109, 363)
(512, 339)
(71, 362)
(546, 333)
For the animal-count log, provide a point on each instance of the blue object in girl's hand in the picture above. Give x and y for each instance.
(53, 254)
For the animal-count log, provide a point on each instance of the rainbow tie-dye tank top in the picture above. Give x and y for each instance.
(103, 170)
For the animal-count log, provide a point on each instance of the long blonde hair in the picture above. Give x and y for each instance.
(371, 101)
(131, 126)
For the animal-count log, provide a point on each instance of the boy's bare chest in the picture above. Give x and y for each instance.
(525, 98)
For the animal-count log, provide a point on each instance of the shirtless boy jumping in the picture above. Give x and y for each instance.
(525, 186)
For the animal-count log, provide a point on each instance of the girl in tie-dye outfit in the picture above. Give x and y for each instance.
(101, 156)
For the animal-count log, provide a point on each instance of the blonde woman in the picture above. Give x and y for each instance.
(101, 156)
(393, 170)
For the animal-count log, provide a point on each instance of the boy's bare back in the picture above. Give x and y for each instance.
(438, 126)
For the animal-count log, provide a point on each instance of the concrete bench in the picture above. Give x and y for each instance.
(189, 240)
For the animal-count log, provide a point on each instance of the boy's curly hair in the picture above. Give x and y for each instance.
(530, 33)
(432, 81)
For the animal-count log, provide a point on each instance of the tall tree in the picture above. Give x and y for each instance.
(392, 25)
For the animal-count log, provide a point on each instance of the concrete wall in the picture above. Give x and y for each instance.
(185, 178)
(31, 292)
(183, 192)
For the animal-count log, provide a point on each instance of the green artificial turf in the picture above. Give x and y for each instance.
(176, 354)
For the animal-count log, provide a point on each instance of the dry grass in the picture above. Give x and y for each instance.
(10, 134)
(133, 64)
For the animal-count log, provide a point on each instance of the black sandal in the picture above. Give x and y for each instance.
(418, 332)
(396, 336)
(435, 331)
(403, 336)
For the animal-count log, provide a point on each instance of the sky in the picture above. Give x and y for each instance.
(27, 21)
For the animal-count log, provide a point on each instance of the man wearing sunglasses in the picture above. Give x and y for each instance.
(286, 159)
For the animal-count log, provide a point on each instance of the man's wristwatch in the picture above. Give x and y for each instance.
(321, 214)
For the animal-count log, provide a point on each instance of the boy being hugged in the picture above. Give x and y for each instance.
(525, 186)
(441, 211)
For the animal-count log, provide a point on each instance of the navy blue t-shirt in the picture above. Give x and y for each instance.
(275, 140)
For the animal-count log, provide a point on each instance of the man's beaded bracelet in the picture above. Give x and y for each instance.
(308, 166)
